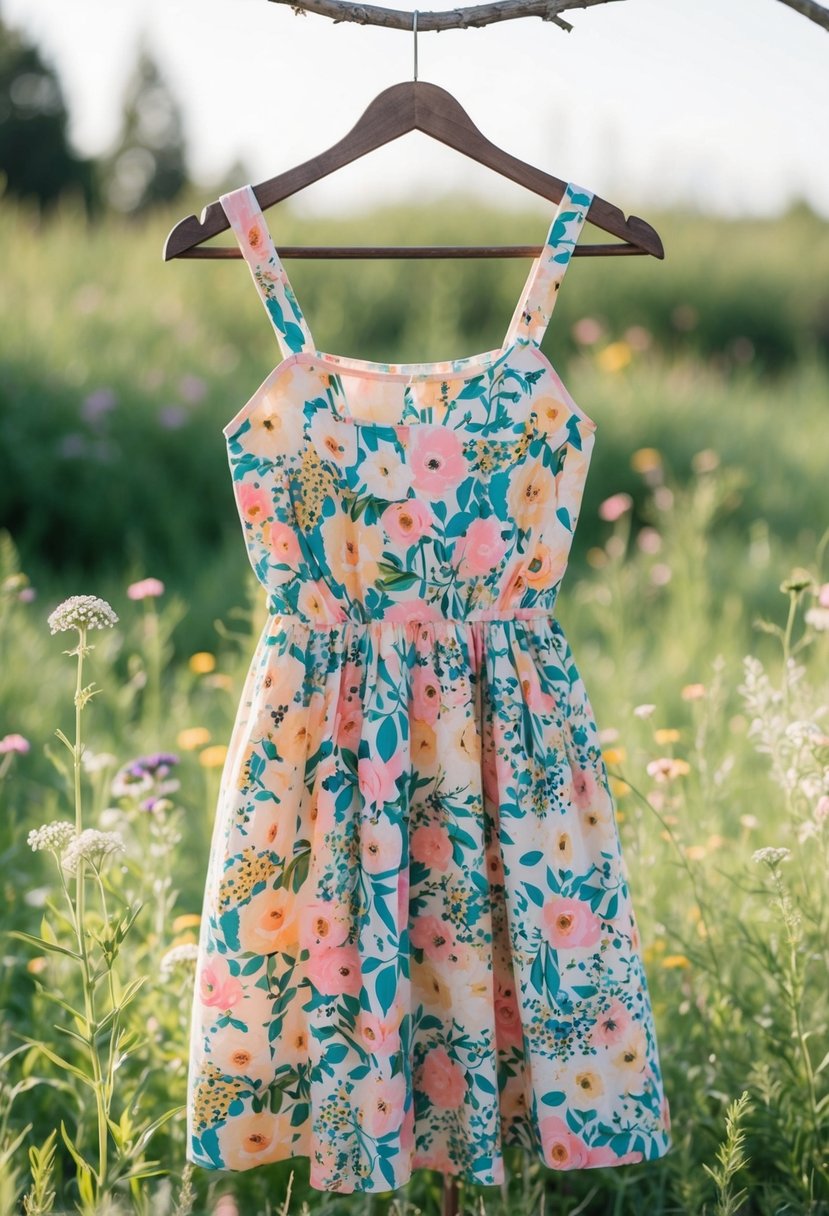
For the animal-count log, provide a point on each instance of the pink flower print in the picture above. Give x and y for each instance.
(380, 1037)
(425, 693)
(217, 986)
(437, 462)
(254, 503)
(411, 610)
(442, 1080)
(508, 1027)
(539, 702)
(585, 787)
(382, 1111)
(482, 548)
(434, 936)
(377, 778)
(603, 1154)
(431, 845)
(407, 1128)
(335, 970)
(611, 1026)
(562, 1150)
(406, 521)
(570, 923)
(382, 846)
(284, 544)
(323, 923)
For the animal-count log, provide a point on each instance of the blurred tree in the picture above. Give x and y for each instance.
(148, 164)
(36, 160)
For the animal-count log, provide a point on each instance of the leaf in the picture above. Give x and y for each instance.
(531, 858)
(84, 1168)
(42, 944)
(386, 986)
(61, 1063)
(149, 1131)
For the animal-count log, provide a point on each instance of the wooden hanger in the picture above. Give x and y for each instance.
(412, 105)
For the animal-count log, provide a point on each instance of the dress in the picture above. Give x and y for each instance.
(417, 943)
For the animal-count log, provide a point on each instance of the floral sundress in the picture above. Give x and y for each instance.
(417, 944)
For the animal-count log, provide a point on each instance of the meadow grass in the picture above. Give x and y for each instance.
(697, 616)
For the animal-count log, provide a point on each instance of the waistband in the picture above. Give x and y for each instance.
(487, 616)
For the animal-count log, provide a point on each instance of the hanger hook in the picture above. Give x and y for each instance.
(414, 31)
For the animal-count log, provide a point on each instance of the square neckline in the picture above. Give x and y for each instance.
(455, 371)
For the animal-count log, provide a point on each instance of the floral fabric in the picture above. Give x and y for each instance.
(417, 943)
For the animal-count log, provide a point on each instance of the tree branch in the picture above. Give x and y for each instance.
(477, 15)
(452, 19)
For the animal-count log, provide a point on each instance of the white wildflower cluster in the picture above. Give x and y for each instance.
(82, 612)
(91, 846)
(178, 957)
(770, 856)
(51, 837)
(95, 762)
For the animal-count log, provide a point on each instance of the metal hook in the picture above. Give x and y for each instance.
(414, 31)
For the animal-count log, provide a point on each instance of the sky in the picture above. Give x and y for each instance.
(720, 106)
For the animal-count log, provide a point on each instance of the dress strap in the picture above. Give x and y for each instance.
(538, 299)
(248, 223)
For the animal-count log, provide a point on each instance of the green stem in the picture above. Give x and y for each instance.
(88, 993)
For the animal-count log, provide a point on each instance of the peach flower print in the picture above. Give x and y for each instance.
(268, 922)
(217, 986)
(442, 1080)
(382, 846)
(570, 923)
(436, 459)
(252, 1139)
(562, 1150)
(546, 566)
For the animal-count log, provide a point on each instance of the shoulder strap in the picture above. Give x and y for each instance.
(538, 299)
(247, 221)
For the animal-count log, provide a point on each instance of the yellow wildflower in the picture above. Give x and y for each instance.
(666, 735)
(614, 357)
(201, 662)
(614, 755)
(675, 960)
(213, 757)
(644, 460)
(188, 920)
(192, 737)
